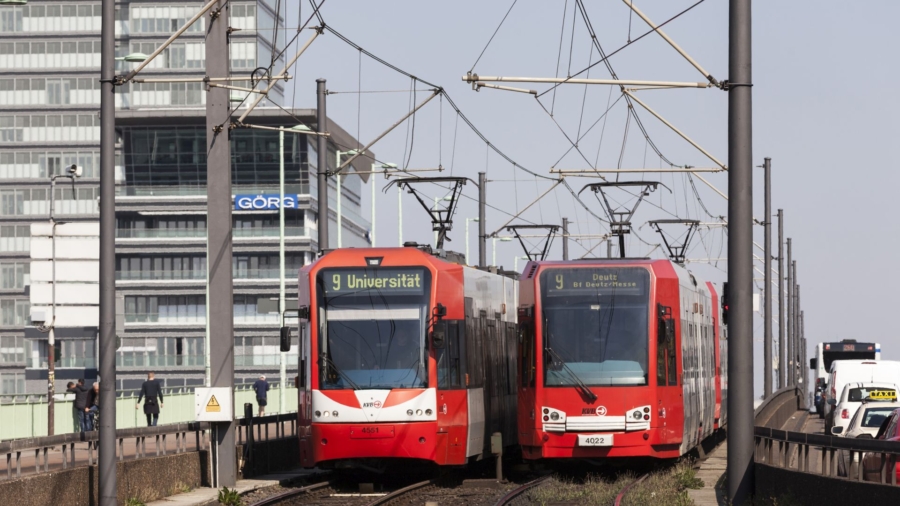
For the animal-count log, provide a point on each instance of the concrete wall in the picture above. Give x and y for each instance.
(777, 409)
(268, 456)
(792, 487)
(146, 479)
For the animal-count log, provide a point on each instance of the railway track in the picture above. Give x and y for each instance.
(332, 493)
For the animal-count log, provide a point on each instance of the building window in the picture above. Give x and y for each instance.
(12, 383)
(15, 275)
(160, 352)
(261, 351)
(15, 312)
(15, 238)
(12, 350)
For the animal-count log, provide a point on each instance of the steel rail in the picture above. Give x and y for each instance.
(627, 488)
(397, 493)
(512, 494)
(275, 499)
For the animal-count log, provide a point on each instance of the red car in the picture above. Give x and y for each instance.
(873, 462)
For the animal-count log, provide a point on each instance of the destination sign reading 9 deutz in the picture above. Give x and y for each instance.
(387, 281)
(620, 281)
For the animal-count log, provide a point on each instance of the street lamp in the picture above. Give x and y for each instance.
(338, 185)
(516, 262)
(494, 248)
(374, 167)
(436, 200)
(130, 58)
(467, 239)
(72, 172)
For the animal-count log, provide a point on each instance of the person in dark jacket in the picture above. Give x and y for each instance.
(80, 407)
(152, 391)
(261, 386)
(94, 404)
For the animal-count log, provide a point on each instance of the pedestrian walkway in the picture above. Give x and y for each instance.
(205, 496)
(712, 472)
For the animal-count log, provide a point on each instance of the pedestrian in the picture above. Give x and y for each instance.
(261, 386)
(80, 407)
(152, 391)
(94, 404)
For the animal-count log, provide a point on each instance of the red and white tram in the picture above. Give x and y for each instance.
(618, 358)
(404, 355)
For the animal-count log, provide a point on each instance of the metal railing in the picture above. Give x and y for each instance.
(238, 233)
(43, 448)
(196, 274)
(29, 419)
(841, 457)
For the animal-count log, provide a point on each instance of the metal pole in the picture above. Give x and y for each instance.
(493, 251)
(322, 148)
(372, 235)
(337, 182)
(219, 240)
(435, 232)
(740, 470)
(281, 306)
(790, 317)
(399, 216)
(767, 346)
(107, 453)
(798, 352)
(782, 350)
(795, 317)
(51, 337)
(468, 262)
(482, 219)
(565, 238)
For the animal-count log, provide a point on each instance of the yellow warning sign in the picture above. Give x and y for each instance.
(213, 405)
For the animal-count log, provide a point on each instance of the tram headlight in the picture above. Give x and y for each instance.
(637, 415)
(325, 414)
(546, 411)
(554, 416)
(318, 414)
(646, 409)
(334, 414)
(428, 412)
(418, 412)
(409, 412)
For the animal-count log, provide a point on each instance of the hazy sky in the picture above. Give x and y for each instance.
(823, 111)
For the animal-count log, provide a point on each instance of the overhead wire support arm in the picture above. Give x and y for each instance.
(620, 217)
(317, 31)
(672, 43)
(286, 77)
(203, 10)
(436, 92)
(533, 202)
(595, 172)
(478, 85)
(548, 239)
(476, 79)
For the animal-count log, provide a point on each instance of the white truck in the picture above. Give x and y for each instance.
(826, 353)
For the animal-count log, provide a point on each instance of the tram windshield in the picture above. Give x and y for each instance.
(595, 326)
(372, 324)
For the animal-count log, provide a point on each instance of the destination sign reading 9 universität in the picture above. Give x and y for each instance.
(386, 281)
(618, 281)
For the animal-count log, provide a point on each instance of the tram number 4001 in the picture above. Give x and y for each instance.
(595, 440)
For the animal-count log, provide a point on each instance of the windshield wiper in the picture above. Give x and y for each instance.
(580, 384)
(323, 357)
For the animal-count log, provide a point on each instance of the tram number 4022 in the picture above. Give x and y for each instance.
(595, 440)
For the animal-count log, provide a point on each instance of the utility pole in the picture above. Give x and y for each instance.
(740, 471)
(790, 317)
(282, 370)
(565, 238)
(803, 370)
(482, 218)
(219, 240)
(798, 351)
(767, 246)
(795, 313)
(782, 351)
(322, 170)
(107, 452)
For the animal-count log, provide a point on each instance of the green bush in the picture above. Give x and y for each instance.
(133, 501)
(229, 497)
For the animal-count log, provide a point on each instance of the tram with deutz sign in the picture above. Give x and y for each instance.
(618, 358)
(404, 355)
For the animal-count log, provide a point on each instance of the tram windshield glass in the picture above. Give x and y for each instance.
(595, 326)
(372, 324)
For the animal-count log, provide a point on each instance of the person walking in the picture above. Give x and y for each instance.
(152, 392)
(261, 386)
(94, 404)
(80, 407)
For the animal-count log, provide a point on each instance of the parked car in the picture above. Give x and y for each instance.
(873, 461)
(853, 396)
(868, 419)
(849, 371)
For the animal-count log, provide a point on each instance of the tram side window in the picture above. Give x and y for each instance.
(448, 359)
(526, 352)
(475, 353)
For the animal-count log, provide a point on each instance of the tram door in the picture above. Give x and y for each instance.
(669, 395)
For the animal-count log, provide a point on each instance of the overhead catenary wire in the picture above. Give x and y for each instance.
(494, 34)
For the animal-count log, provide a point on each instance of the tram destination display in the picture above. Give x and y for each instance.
(621, 281)
(383, 280)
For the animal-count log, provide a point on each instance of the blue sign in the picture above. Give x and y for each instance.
(265, 202)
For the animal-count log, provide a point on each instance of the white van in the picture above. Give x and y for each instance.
(851, 371)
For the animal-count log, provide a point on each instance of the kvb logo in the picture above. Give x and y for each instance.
(375, 404)
(601, 410)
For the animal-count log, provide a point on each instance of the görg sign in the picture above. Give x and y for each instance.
(265, 202)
